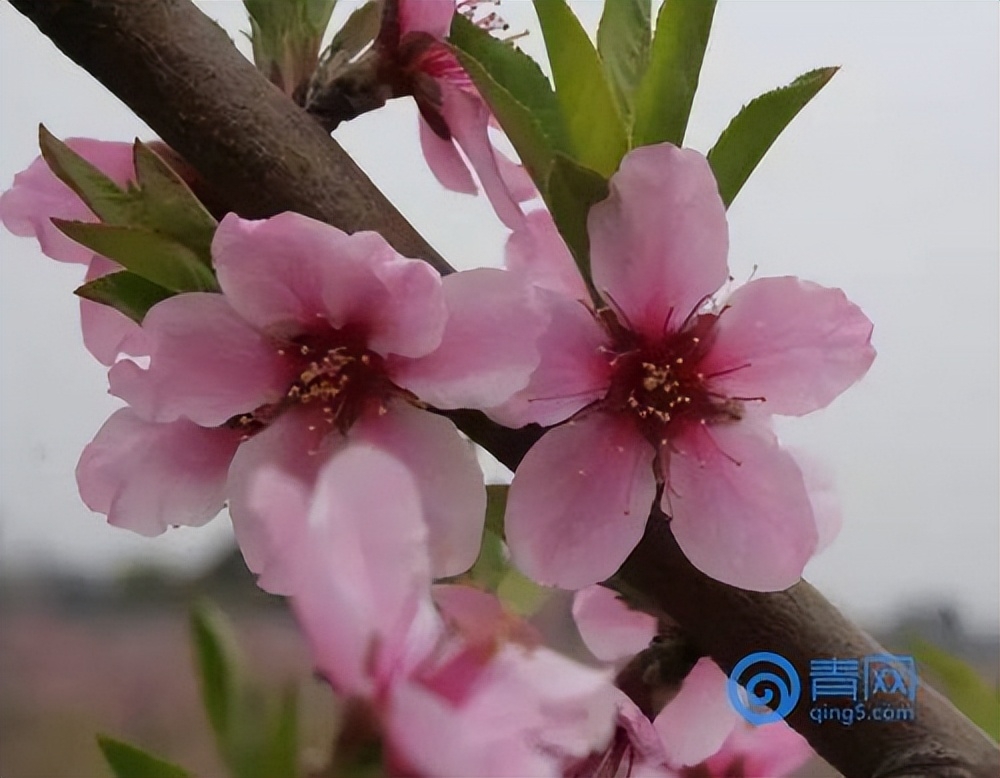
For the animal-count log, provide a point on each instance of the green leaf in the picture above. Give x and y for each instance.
(217, 659)
(517, 92)
(972, 695)
(593, 122)
(496, 507)
(754, 129)
(286, 36)
(623, 39)
(663, 102)
(127, 761)
(359, 30)
(572, 190)
(154, 256)
(126, 292)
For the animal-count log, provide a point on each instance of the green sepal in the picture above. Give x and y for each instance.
(623, 40)
(754, 129)
(590, 111)
(286, 36)
(665, 95)
(127, 761)
(126, 292)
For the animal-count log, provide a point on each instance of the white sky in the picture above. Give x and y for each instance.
(886, 186)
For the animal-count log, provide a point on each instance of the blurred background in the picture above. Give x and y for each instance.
(886, 186)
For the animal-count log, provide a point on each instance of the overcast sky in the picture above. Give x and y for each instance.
(886, 186)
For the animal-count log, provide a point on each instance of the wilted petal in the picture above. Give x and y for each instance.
(37, 196)
(793, 342)
(488, 350)
(146, 476)
(658, 244)
(447, 476)
(609, 627)
(106, 331)
(537, 249)
(573, 369)
(288, 273)
(206, 363)
(579, 501)
(740, 509)
(445, 161)
(694, 724)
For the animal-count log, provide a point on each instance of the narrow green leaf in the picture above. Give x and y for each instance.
(282, 757)
(754, 129)
(358, 31)
(593, 122)
(126, 292)
(572, 190)
(663, 101)
(155, 257)
(517, 92)
(623, 38)
(217, 660)
(127, 761)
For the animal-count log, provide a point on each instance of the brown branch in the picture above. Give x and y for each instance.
(177, 70)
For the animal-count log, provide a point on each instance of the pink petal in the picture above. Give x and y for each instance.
(297, 444)
(361, 557)
(537, 249)
(37, 196)
(741, 512)
(430, 16)
(480, 617)
(823, 495)
(447, 475)
(772, 750)
(699, 718)
(658, 244)
(609, 627)
(573, 369)
(286, 273)
(468, 119)
(579, 501)
(445, 161)
(514, 176)
(206, 364)
(106, 331)
(795, 343)
(147, 477)
(488, 350)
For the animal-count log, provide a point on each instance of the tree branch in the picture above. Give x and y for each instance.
(179, 72)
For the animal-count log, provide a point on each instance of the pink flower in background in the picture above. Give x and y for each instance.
(37, 196)
(668, 389)
(319, 341)
(456, 689)
(453, 115)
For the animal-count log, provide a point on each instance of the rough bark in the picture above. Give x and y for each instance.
(180, 73)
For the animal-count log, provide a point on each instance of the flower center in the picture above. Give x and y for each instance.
(334, 373)
(660, 383)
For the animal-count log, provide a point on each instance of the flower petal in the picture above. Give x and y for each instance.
(447, 476)
(206, 363)
(106, 331)
(740, 509)
(609, 627)
(37, 196)
(488, 350)
(793, 342)
(430, 16)
(286, 273)
(579, 501)
(445, 161)
(147, 477)
(537, 249)
(658, 244)
(573, 369)
(772, 749)
(694, 724)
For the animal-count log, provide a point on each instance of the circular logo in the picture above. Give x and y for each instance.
(772, 687)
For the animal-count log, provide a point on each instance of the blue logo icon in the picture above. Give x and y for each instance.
(769, 692)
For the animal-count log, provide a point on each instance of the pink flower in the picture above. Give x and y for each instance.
(453, 115)
(37, 196)
(769, 751)
(455, 685)
(670, 392)
(319, 341)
